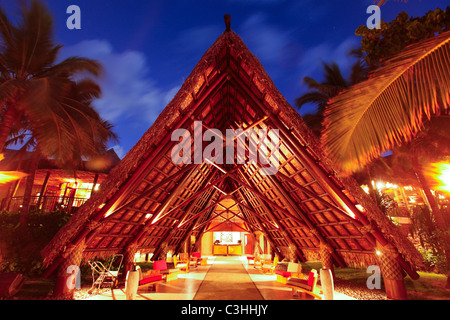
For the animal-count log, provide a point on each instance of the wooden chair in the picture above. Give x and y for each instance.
(295, 270)
(151, 279)
(195, 259)
(306, 286)
(257, 262)
(270, 267)
(183, 265)
(168, 274)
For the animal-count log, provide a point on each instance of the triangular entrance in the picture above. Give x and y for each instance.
(149, 203)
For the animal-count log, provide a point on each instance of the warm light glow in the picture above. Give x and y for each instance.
(441, 173)
(108, 213)
(380, 185)
(365, 188)
(378, 252)
(8, 176)
(391, 186)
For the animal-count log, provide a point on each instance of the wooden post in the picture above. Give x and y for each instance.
(43, 189)
(68, 272)
(392, 273)
(128, 260)
(94, 183)
(326, 257)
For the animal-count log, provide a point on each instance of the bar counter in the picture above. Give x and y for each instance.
(227, 249)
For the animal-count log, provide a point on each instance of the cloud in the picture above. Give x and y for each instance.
(196, 39)
(130, 97)
(311, 63)
(119, 151)
(265, 40)
(127, 88)
(257, 2)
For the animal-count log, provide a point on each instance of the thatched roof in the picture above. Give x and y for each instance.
(151, 203)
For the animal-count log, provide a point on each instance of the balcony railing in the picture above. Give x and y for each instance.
(48, 203)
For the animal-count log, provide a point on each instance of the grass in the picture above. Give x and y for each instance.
(35, 289)
(430, 286)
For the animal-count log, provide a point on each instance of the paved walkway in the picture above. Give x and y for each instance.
(224, 278)
(227, 279)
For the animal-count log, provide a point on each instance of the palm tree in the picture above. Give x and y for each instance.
(390, 108)
(32, 84)
(320, 93)
(43, 99)
(85, 124)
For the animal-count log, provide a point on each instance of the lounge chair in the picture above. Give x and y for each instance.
(270, 267)
(151, 279)
(182, 265)
(306, 286)
(168, 274)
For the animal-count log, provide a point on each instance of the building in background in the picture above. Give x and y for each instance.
(53, 188)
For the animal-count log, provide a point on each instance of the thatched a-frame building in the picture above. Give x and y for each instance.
(306, 210)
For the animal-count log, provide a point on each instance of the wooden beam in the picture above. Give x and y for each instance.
(43, 189)
(308, 161)
(270, 202)
(175, 193)
(269, 237)
(254, 212)
(280, 190)
(299, 254)
(151, 189)
(166, 238)
(207, 204)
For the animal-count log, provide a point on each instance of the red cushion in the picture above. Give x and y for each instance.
(160, 265)
(311, 277)
(196, 255)
(250, 258)
(150, 278)
(283, 273)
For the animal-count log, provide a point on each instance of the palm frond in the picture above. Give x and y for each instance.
(389, 108)
(314, 97)
(74, 65)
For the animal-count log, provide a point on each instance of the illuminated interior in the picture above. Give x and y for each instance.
(224, 237)
(77, 189)
(8, 176)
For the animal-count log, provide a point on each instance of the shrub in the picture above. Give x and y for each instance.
(23, 245)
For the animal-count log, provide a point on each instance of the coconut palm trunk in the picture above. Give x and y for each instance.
(5, 128)
(434, 208)
(24, 210)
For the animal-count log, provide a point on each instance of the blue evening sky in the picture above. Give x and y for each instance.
(148, 47)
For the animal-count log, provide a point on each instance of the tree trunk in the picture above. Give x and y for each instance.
(10, 283)
(372, 190)
(29, 188)
(5, 128)
(13, 187)
(434, 208)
